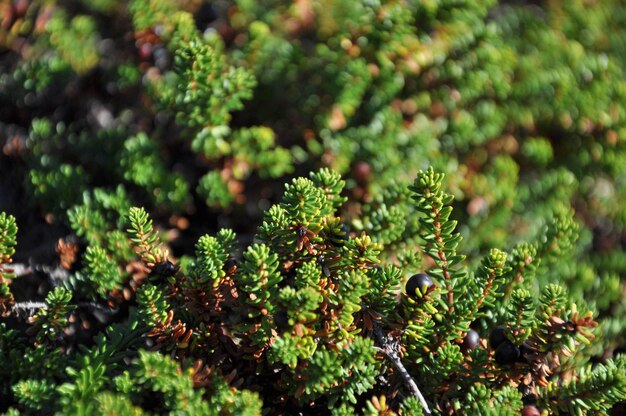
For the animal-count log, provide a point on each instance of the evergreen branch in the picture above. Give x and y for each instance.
(443, 260)
(560, 235)
(491, 270)
(523, 263)
(8, 232)
(440, 240)
(48, 322)
(595, 388)
(145, 239)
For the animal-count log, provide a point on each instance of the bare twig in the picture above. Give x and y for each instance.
(27, 306)
(55, 273)
(390, 352)
(20, 269)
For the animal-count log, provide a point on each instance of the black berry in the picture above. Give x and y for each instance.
(471, 340)
(165, 268)
(523, 350)
(205, 15)
(281, 319)
(418, 285)
(497, 337)
(230, 266)
(506, 353)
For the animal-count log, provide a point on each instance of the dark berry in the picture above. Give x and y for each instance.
(471, 340)
(530, 410)
(281, 319)
(165, 268)
(528, 397)
(497, 337)
(506, 353)
(230, 266)
(205, 15)
(418, 285)
(523, 350)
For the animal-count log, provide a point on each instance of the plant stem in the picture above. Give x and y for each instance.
(29, 305)
(390, 352)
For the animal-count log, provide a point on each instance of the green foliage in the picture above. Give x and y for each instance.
(503, 402)
(197, 111)
(259, 279)
(215, 190)
(34, 395)
(385, 287)
(8, 238)
(144, 238)
(142, 166)
(255, 148)
(74, 40)
(593, 391)
(8, 233)
(310, 314)
(87, 376)
(102, 270)
(152, 306)
(207, 89)
(437, 230)
(157, 373)
(211, 254)
(147, 14)
(519, 315)
(49, 322)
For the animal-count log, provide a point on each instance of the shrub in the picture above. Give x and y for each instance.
(198, 111)
(310, 319)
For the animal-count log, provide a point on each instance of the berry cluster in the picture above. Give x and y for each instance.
(505, 351)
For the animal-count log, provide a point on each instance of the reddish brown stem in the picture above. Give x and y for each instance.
(444, 263)
(485, 292)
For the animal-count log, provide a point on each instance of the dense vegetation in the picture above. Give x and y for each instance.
(239, 207)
